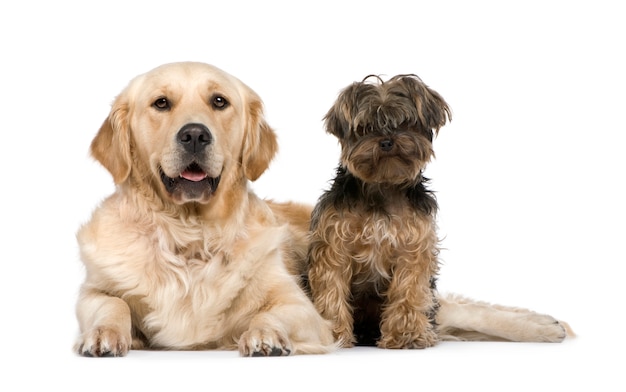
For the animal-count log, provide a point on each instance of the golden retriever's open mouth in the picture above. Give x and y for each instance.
(193, 184)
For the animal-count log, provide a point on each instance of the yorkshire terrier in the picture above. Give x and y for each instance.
(373, 257)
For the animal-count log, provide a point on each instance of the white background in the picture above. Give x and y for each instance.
(529, 175)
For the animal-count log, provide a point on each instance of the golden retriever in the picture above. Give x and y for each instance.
(184, 256)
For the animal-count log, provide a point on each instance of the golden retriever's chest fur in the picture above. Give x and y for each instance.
(178, 282)
(188, 290)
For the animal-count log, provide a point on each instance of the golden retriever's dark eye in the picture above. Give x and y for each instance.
(219, 102)
(162, 104)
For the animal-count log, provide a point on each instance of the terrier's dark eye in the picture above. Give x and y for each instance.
(218, 102)
(362, 130)
(162, 104)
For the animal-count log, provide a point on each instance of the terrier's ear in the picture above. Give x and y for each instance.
(112, 144)
(432, 110)
(338, 120)
(260, 142)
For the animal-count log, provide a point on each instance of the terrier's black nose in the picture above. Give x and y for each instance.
(386, 145)
(194, 137)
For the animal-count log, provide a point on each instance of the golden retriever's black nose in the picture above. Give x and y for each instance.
(194, 137)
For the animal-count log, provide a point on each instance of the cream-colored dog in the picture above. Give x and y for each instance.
(184, 256)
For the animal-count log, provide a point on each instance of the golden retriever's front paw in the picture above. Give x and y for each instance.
(264, 343)
(103, 342)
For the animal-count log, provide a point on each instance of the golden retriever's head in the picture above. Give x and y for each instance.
(183, 129)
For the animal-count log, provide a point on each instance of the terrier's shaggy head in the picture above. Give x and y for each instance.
(373, 250)
(386, 129)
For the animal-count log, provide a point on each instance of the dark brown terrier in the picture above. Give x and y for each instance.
(373, 258)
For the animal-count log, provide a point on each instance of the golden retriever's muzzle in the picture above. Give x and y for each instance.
(193, 183)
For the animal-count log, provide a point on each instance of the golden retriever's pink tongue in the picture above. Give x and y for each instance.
(193, 176)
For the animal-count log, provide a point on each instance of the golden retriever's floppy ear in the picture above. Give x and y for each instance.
(111, 146)
(260, 144)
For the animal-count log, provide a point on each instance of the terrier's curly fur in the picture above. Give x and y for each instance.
(373, 255)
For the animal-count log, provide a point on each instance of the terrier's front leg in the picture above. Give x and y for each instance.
(410, 304)
(330, 289)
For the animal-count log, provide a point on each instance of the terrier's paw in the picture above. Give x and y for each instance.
(345, 339)
(427, 338)
(103, 342)
(264, 343)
